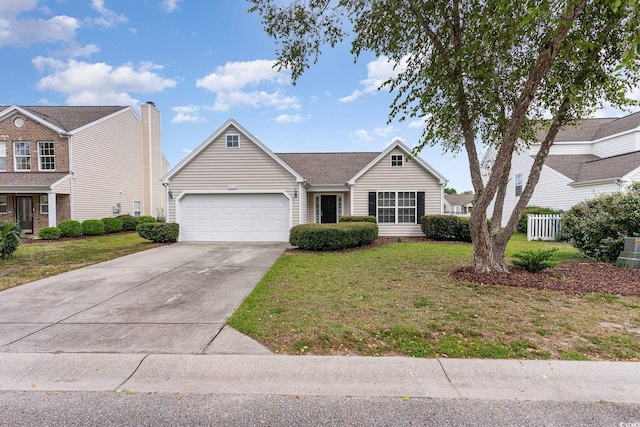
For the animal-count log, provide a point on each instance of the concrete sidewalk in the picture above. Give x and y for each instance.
(323, 376)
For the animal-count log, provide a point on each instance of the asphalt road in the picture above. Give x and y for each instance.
(160, 409)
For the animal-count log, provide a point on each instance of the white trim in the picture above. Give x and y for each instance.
(134, 208)
(396, 207)
(52, 202)
(150, 162)
(398, 144)
(318, 196)
(14, 108)
(54, 157)
(351, 186)
(300, 213)
(61, 180)
(594, 182)
(71, 204)
(401, 160)
(5, 156)
(178, 201)
(6, 204)
(221, 130)
(15, 164)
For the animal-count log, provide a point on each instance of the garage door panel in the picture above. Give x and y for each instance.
(235, 217)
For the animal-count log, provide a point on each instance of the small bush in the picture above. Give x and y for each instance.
(535, 261)
(92, 227)
(129, 223)
(144, 219)
(597, 227)
(355, 218)
(464, 231)
(9, 238)
(49, 233)
(112, 225)
(70, 228)
(159, 232)
(533, 210)
(441, 227)
(331, 237)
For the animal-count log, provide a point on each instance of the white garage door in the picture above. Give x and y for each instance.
(234, 217)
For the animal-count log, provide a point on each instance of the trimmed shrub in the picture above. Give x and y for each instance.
(533, 210)
(331, 237)
(92, 227)
(465, 231)
(144, 219)
(112, 225)
(70, 228)
(535, 261)
(9, 238)
(597, 227)
(159, 232)
(49, 233)
(356, 218)
(441, 227)
(129, 223)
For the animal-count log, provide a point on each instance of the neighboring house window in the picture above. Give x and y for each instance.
(396, 160)
(22, 155)
(3, 156)
(233, 141)
(44, 204)
(136, 208)
(518, 184)
(46, 157)
(3, 204)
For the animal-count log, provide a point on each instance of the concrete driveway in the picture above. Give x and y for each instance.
(172, 299)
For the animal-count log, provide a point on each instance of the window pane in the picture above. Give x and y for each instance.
(407, 215)
(386, 215)
(3, 204)
(47, 158)
(232, 140)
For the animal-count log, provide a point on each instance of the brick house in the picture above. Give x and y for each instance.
(64, 162)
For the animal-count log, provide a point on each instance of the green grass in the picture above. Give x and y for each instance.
(399, 299)
(33, 261)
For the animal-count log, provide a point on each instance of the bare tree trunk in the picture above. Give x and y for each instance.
(488, 249)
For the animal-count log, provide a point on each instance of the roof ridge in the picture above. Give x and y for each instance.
(611, 157)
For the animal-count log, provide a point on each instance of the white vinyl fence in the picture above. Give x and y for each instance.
(542, 227)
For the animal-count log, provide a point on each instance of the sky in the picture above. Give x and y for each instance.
(202, 63)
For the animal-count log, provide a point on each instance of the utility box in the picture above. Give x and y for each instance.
(630, 256)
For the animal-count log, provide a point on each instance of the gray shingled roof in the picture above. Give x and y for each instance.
(587, 167)
(29, 179)
(593, 129)
(459, 199)
(69, 118)
(327, 168)
(569, 165)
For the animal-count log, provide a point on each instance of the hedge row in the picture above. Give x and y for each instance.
(159, 232)
(331, 237)
(355, 218)
(446, 227)
(94, 227)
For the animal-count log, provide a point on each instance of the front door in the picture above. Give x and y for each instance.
(328, 209)
(24, 213)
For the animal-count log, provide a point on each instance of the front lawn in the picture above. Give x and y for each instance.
(33, 261)
(400, 299)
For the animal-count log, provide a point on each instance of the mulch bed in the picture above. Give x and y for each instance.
(573, 277)
(34, 239)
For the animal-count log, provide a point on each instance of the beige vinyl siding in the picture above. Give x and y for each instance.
(616, 145)
(64, 187)
(410, 177)
(247, 167)
(107, 166)
(154, 196)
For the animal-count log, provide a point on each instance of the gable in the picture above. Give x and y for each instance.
(215, 164)
(64, 118)
(411, 175)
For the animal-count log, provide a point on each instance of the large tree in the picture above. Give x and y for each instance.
(481, 73)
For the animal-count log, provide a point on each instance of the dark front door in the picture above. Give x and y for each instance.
(328, 209)
(24, 213)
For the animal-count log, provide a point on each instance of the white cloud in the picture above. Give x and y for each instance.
(169, 5)
(418, 124)
(231, 81)
(384, 131)
(86, 83)
(288, 118)
(108, 18)
(378, 72)
(25, 32)
(187, 114)
(361, 135)
(15, 7)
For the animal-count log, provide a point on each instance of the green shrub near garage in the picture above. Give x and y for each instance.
(159, 232)
(358, 218)
(129, 223)
(112, 225)
(92, 227)
(331, 237)
(70, 228)
(144, 219)
(49, 233)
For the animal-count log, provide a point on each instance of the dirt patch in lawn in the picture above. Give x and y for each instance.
(574, 277)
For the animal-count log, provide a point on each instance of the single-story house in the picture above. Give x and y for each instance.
(234, 188)
(458, 204)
